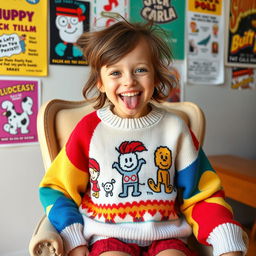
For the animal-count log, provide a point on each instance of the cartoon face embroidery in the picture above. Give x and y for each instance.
(94, 170)
(129, 165)
(163, 160)
(128, 161)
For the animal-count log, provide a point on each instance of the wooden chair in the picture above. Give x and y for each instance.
(56, 120)
(238, 178)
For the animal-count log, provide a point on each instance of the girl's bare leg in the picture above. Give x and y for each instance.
(171, 252)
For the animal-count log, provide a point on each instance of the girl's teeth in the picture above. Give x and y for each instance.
(129, 94)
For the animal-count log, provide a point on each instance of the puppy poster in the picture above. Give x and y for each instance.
(19, 104)
(23, 37)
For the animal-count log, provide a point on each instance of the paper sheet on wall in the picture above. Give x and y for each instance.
(243, 78)
(169, 15)
(19, 104)
(68, 20)
(23, 37)
(106, 12)
(241, 33)
(205, 42)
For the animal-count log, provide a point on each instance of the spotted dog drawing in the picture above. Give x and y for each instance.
(17, 120)
(129, 165)
(163, 160)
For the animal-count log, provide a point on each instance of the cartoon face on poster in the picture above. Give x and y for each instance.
(19, 103)
(68, 20)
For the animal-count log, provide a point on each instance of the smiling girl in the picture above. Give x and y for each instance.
(146, 154)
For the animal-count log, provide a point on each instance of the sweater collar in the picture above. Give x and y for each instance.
(110, 119)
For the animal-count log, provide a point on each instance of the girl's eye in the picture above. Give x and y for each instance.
(115, 73)
(140, 70)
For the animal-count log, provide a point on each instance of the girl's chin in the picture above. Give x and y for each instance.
(131, 112)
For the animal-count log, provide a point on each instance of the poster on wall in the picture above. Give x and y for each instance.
(205, 42)
(169, 15)
(23, 37)
(241, 31)
(107, 12)
(243, 78)
(68, 20)
(19, 104)
(177, 70)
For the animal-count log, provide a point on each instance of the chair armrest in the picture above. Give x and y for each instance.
(46, 241)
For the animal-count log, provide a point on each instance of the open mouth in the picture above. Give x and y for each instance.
(130, 99)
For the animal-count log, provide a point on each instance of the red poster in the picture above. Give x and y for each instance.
(241, 43)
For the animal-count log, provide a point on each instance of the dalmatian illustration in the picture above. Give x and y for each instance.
(109, 187)
(129, 165)
(17, 120)
(163, 160)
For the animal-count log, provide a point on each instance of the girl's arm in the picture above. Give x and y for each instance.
(65, 182)
(203, 204)
(60, 193)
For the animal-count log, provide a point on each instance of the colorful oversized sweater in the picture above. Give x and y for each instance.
(119, 178)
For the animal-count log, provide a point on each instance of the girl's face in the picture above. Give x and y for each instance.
(129, 83)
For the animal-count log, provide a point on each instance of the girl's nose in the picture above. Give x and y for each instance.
(129, 79)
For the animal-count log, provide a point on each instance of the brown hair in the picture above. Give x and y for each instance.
(108, 46)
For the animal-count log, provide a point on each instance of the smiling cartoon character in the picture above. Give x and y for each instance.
(163, 160)
(70, 25)
(129, 165)
(94, 169)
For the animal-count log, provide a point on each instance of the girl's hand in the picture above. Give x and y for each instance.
(232, 254)
(79, 251)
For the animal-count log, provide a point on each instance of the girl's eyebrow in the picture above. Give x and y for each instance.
(118, 66)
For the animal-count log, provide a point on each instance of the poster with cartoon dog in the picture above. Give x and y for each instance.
(19, 103)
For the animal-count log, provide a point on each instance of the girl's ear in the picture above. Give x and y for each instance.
(100, 86)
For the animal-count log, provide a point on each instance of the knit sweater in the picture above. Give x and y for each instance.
(119, 178)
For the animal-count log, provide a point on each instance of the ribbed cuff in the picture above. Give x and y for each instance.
(227, 238)
(73, 237)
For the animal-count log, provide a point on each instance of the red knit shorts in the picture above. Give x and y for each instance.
(112, 244)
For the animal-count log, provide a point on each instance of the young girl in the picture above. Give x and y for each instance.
(112, 190)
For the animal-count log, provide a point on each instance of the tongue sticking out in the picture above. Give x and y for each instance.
(131, 102)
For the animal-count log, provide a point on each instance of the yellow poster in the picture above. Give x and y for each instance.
(205, 6)
(23, 37)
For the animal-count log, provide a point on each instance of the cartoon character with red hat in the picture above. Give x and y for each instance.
(70, 25)
(94, 169)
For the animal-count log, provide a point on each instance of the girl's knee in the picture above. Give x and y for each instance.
(171, 252)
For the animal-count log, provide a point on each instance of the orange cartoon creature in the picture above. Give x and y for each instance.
(163, 160)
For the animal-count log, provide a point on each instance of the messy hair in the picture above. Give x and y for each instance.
(108, 46)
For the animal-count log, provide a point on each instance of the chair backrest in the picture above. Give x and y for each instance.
(57, 118)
